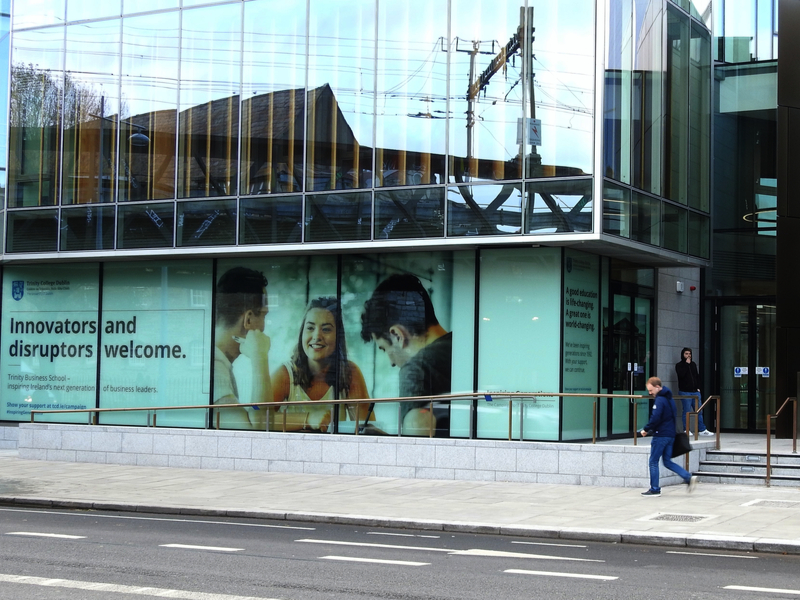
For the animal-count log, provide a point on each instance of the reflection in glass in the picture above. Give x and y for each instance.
(486, 104)
(91, 112)
(37, 86)
(409, 213)
(149, 107)
(335, 217)
(273, 95)
(700, 120)
(34, 13)
(676, 168)
(341, 77)
(145, 226)
(699, 235)
(139, 6)
(87, 228)
(618, 83)
(80, 10)
(206, 223)
(674, 227)
(412, 93)
(616, 210)
(484, 209)
(209, 101)
(647, 100)
(32, 231)
(559, 206)
(274, 220)
(645, 219)
(4, 68)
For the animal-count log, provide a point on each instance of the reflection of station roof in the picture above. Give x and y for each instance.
(275, 116)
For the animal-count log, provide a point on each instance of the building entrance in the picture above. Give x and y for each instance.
(627, 342)
(745, 364)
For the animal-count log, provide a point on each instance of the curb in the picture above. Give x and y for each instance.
(612, 536)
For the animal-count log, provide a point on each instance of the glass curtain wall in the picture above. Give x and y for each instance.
(5, 24)
(633, 95)
(341, 94)
(273, 99)
(209, 101)
(36, 112)
(92, 108)
(149, 107)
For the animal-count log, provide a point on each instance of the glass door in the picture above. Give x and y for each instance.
(627, 340)
(746, 364)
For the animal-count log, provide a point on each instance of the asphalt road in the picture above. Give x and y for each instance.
(69, 555)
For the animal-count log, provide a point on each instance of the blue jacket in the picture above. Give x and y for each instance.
(662, 421)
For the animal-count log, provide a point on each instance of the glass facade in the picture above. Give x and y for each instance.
(481, 124)
(318, 150)
(314, 327)
(657, 124)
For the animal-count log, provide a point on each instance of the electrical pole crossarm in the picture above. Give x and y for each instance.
(497, 63)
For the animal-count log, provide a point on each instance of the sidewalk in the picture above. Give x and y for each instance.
(716, 516)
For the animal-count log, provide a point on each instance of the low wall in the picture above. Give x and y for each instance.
(9, 436)
(390, 456)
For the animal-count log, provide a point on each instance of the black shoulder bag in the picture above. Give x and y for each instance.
(681, 444)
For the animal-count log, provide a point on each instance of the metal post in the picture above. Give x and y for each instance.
(769, 449)
(594, 422)
(510, 412)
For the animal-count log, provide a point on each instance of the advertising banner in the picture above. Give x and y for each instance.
(50, 341)
(155, 340)
(519, 329)
(581, 299)
(289, 329)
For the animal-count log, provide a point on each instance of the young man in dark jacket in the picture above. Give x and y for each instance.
(689, 385)
(662, 428)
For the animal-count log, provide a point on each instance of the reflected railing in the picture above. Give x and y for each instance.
(276, 419)
(769, 433)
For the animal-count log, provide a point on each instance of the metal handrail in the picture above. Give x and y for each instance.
(696, 412)
(769, 433)
(93, 413)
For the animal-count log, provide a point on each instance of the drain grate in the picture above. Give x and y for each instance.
(678, 518)
(776, 504)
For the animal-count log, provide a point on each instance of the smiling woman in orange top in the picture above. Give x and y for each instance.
(311, 374)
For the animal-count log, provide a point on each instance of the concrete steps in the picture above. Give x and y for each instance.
(749, 468)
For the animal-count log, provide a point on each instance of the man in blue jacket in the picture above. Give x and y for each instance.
(662, 428)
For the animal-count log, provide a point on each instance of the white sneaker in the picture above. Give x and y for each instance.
(706, 432)
(692, 483)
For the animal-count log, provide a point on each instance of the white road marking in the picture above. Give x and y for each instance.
(744, 588)
(121, 589)
(552, 574)
(124, 517)
(379, 561)
(547, 544)
(62, 536)
(503, 554)
(190, 547)
(367, 545)
(435, 537)
(709, 554)
(471, 552)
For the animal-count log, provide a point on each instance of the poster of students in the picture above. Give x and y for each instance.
(50, 326)
(314, 328)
